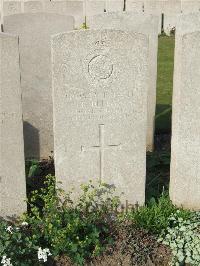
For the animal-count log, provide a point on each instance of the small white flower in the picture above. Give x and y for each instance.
(6, 261)
(43, 254)
(24, 224)
(9, 229)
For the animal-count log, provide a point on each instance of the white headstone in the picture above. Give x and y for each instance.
(95, 7)
(134, 6)
(12, 167)
(172, 7)
(155, 8)
(70, 8)
(170, 22)
(11, 7)
(34, 32)
(185, 157)
(140, 23)
(114, 5)
(100, 92)
(190, 6)
(33, 6)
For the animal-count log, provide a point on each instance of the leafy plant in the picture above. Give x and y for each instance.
(79, 230)
(17, 245)
(154, 217)
(183, 237)
(32, 168)
(158, 167)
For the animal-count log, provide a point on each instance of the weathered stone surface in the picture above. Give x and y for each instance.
(190, 6)
(134, 6)
(12, 167)
(170, 22)
(95, 7)
(100, 94)
(70, 8)
(172, 7)
(187, 23)
(33, 6)
(185, 159)
(148, 25)
(114, 5)
(34, 31)
(11, 7)
(155, 8)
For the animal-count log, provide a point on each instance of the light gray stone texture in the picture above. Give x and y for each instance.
(100, 94)
(155, 8)
(114, 6)
(33, 6)
(172, 7)
(190, 6)
(170, 22)
(12, 167)
(140, 23)
(34, 32)
(71, 8)
(185, 157)
(134, 6)
(95, 7)
(11, 7)
(188, 23)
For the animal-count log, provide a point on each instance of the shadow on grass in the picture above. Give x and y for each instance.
(163, 119)
(158, 173)
(158, 162)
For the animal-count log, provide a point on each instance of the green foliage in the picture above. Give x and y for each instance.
(32, 168)
(164, 83)
(183, 237)
(79, 230)
(154, 216)
(84, 26)
(56, 225)
(158, 167)
(18, 245)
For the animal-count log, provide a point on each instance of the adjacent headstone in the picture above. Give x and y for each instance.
(12, 167)
(100, 99)
(11, 7)
(95, 7)
(140, 23)
(172, 7)
(34, 32)
(155, 8)
(134, 6)
(170, 22)
(70, 8)
(185, 157)
(190, 6)
(33, 6)
(114, 5)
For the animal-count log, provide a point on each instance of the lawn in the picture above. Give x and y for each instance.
(158, 162)
(164, 84)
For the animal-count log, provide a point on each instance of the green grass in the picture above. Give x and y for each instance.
(164, 84)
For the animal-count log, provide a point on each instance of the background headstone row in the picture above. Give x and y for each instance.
(85, 8)
(90, 96)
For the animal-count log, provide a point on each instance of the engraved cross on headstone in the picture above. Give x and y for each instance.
(101, 148)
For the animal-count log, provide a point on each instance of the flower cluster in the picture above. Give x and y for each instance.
(6, 261)
(183, 237)
(43, 254)
(9, 229)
